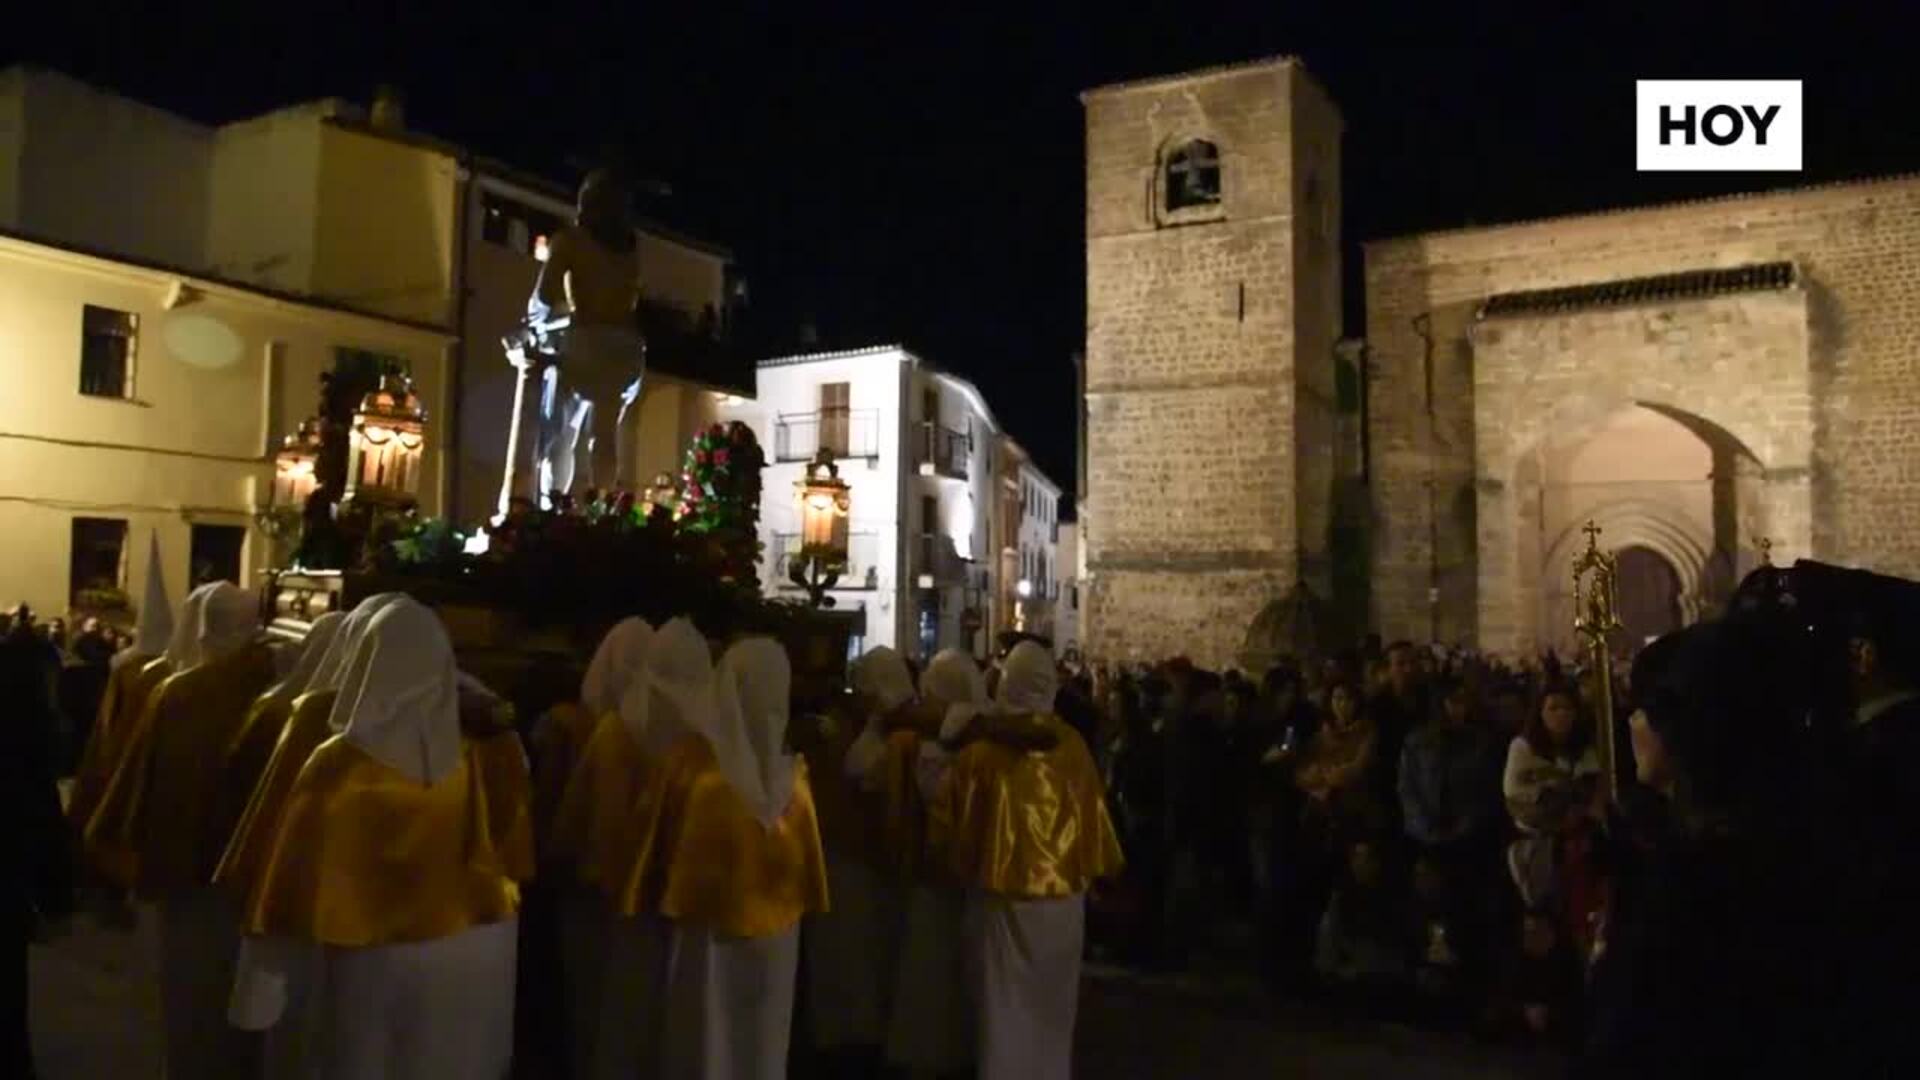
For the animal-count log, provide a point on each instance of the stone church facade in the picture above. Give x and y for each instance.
(1694, 378)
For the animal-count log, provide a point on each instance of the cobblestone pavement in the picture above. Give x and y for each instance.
(96, 1015)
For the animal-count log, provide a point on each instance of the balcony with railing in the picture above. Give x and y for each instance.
(848, 433)
(863, 561)
(943, 451)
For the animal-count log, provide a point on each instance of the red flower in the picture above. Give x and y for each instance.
(720, 457)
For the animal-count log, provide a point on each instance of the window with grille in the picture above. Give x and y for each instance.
(108, 341)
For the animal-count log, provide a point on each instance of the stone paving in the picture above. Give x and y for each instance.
(96, 1015)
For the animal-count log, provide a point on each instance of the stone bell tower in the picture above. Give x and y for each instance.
(1213, 308)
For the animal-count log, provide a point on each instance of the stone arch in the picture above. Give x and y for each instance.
(1623, 524)
(1699, 520)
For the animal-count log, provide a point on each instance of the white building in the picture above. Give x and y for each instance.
(915, 445)
(1037, 589)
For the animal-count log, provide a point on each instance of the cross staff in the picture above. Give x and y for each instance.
(1595, 604)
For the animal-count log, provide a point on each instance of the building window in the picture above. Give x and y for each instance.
(1193, 175)
(930, 405)
(97, 567)
(216, 554)
(929, 517)
(107, 346)
(836, 418)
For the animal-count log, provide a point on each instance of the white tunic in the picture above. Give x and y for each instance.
(729, 1005)
(441, 1009)
(1025, 960)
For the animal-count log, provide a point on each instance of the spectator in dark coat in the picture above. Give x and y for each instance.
(1720, 950)
(37, 872)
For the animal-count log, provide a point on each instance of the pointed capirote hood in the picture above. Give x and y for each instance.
(155, 628)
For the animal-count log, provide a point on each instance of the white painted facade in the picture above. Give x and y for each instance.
(179, 446)
(915, 447)
(1037, 589)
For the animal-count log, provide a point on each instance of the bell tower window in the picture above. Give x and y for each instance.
(1193, 175)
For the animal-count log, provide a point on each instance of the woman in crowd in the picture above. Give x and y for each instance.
(1553, 792)
(1333, 772)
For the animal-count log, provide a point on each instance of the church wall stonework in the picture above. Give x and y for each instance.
(1840, 441)
(1196, 324)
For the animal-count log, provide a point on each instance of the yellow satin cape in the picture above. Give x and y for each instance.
(164, 803)
(125, 698)
(365, 855)
(608, 815)
(906, 818)
(306, 727)
(559, 745)
(1027, 825)
(717, 864)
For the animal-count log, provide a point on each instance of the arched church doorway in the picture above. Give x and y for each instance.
(1648, 594)
(1676, 498)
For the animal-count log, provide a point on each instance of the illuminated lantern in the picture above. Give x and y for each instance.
(296, 467)
(389, 433)
(824, 502)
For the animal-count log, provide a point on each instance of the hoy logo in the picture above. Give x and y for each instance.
(1717, 125)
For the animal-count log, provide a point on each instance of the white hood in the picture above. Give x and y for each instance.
(751, 694)
(616, 663)
(399, 700)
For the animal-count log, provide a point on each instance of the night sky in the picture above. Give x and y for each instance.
(894, 176)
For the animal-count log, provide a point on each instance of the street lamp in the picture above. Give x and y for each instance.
(825, 500)
(389, 432)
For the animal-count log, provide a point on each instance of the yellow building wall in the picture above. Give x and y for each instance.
(685, 277)
(217, 381)
(385, 226)
(672, 412)
(260, 217)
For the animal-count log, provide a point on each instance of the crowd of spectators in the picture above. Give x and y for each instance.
(1407, 831)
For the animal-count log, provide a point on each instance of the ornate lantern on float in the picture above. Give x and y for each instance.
(389, 434)
(825, 501)
(296, 475)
